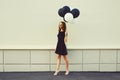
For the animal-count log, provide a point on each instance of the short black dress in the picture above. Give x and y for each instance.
(61, 47)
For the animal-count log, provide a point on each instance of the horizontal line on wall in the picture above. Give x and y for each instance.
(26, 64)
(40, 64)
(99, 63)
(52, 63)
(54, 48)
(69, 64)
(118, 63)
(16, 64)
(107, 63)
(91, 63)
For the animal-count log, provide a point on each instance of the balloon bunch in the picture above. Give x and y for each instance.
(67, 14)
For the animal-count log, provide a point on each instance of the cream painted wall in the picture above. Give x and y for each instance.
(35, 23)
(27, 60)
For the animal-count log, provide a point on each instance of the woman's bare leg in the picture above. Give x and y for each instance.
(58, 64)
(67, 64)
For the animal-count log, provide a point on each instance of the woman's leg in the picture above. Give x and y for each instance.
(67, 64)
(58, 64)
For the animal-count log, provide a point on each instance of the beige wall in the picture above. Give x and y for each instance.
(27, 60)
(35, 23)
(28, 30)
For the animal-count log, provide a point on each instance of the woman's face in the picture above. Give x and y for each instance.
(60, 25)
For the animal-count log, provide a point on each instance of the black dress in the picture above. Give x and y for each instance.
(61, 47)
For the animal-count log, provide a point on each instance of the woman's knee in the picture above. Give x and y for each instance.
(59, 56)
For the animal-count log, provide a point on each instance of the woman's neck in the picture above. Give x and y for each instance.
(61, 30)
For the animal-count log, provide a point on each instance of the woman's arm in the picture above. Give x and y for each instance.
(66, 35)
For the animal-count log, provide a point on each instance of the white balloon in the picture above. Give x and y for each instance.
(68, 17)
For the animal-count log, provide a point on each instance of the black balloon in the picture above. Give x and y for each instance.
(66, 9)
(63, 11)
(60, 12)
(75, 13)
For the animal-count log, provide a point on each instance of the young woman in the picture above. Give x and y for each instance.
(61, 49)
